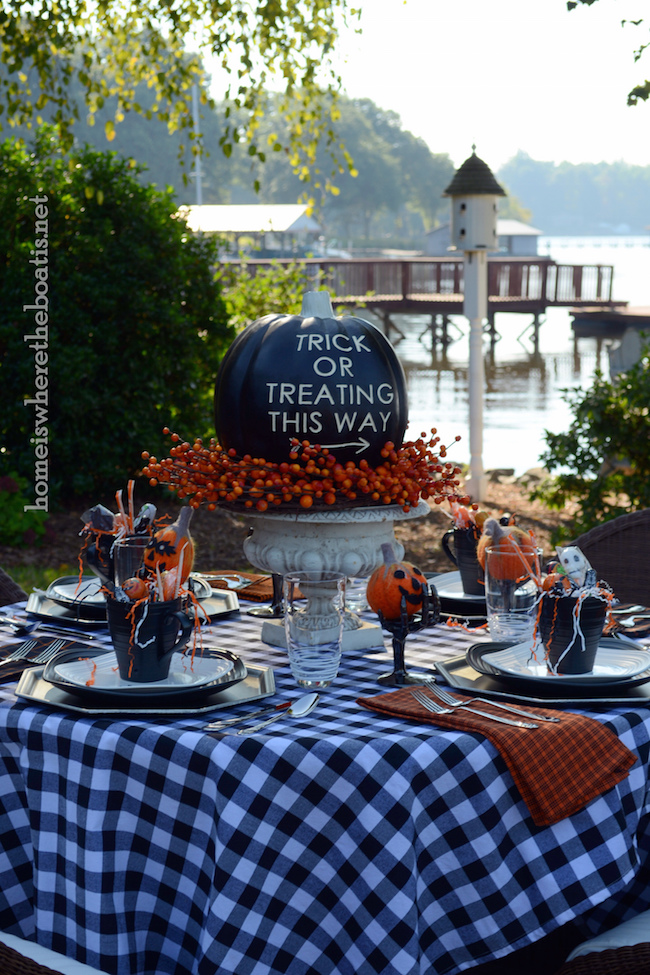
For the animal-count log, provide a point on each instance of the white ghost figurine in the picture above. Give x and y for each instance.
(576, 566)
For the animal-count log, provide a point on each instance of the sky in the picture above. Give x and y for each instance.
(505, 75)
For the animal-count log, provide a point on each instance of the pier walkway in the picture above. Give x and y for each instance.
(434, 286)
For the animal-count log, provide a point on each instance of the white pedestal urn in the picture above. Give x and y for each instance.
(346, 540)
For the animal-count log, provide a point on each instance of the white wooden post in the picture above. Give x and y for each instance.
(474, 192)
(475, 309)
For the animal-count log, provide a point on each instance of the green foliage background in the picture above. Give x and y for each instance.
(137, 325)
(603, 461)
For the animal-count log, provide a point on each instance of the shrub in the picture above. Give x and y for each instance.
(135, 322)
(603, 460)
(17, 526)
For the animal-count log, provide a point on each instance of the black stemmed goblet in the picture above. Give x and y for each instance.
(400, 629)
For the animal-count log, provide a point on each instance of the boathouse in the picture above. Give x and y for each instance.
(265, 229)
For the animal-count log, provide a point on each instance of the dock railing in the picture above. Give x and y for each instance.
(520, 282)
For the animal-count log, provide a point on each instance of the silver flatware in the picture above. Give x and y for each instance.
(48, 652)
(454, 702)
(20, 653)
(437, 708)
(298, 709)
(26, 628)
(262, 712)
(23, 651)
(633, 619)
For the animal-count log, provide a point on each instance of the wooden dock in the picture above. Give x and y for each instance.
(433, 286)
(608, 323)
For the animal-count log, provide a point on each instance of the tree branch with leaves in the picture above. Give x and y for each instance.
(111, 48)
(640, 92)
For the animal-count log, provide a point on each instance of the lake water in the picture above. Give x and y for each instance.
(523, 395)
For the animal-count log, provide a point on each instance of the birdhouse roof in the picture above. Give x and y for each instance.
(474, 178)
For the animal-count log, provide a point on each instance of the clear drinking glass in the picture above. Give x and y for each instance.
(511, 596)
(314, 605)
(355, 594)
(128, 555)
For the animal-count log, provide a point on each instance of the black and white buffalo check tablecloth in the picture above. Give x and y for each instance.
(342, 843)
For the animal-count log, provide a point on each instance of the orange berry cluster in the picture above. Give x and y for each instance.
(311, 475)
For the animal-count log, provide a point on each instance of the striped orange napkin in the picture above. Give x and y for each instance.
(558, 768)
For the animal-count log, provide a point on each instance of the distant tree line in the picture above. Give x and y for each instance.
(393, 186)
(581, 198)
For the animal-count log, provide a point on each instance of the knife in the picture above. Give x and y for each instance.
(227, 722)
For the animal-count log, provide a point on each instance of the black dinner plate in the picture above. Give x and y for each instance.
(157, 692)
(90, 613)
(478, 657)
(461, 676)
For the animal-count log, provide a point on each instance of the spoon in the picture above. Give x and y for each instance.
(298, 709)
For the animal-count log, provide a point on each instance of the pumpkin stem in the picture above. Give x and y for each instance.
(493, 529)
(183, 520)
(388, 553)
(317, 304)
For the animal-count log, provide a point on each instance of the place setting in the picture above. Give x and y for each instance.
(153, 658)
(555, 635)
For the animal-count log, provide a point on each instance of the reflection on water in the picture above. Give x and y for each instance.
(523, 387)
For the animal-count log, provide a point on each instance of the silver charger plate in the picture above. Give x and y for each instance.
(258, 684)
(614, 661)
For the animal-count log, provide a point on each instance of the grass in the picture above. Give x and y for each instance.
(30, 577)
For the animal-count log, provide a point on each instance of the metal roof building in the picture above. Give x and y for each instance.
(254, 218)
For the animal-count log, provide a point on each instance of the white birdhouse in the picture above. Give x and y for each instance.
(474, 192)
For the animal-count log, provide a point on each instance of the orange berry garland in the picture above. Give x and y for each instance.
(311, 476)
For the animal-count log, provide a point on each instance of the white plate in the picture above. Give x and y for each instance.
(612, 663)
(101, 673)
(448, 585)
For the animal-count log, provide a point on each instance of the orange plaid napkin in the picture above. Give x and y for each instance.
(558, 768)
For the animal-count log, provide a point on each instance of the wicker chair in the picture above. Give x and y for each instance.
(623, 950)
(618, 551)
(20, 957)
(10, 592)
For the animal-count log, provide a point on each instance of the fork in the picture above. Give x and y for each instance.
(436, 708)
(20, 652)
(50, 651)
(24, 650)
(453, 702)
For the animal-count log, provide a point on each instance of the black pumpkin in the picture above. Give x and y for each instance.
(335, 382)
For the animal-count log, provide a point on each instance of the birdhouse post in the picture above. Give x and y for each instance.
(474, 192)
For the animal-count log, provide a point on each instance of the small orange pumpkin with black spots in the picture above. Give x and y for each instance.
(393, 582)
(171, 547)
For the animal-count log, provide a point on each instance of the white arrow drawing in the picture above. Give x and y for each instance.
(361, 444)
